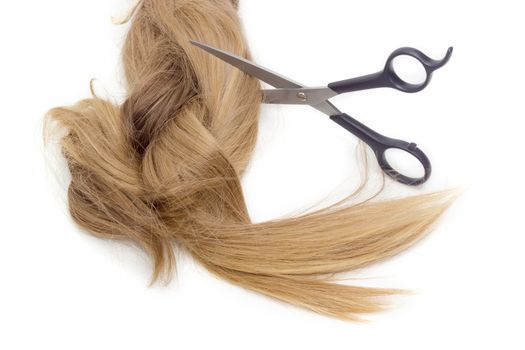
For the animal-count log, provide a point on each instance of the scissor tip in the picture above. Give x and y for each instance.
(198, 44)
(201, 45)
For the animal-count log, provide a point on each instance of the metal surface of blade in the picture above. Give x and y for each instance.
(300, 96)
(261, 73)
(328, 108)
(266, 75)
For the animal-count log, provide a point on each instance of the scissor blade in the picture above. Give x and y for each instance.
(328, 108)
(261, 73)
(298, 96)
(266, 75)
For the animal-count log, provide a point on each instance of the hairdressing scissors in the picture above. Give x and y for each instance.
(290, 92)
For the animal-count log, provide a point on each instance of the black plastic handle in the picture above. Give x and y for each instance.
(389, 78)
(380, 144)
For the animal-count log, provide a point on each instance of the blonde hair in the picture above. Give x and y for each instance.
(164, 168)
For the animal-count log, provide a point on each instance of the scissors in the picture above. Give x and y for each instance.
(290, 92)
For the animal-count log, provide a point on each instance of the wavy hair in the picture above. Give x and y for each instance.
(163, 170)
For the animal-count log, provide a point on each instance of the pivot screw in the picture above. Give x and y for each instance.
(302, 97)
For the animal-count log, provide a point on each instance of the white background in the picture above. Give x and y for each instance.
(62, 289)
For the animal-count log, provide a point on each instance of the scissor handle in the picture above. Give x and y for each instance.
(389, 78)
(381, 144)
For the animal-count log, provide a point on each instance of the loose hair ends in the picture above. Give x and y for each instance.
(165, 167)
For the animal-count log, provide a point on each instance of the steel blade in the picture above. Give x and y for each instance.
(261, 73)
